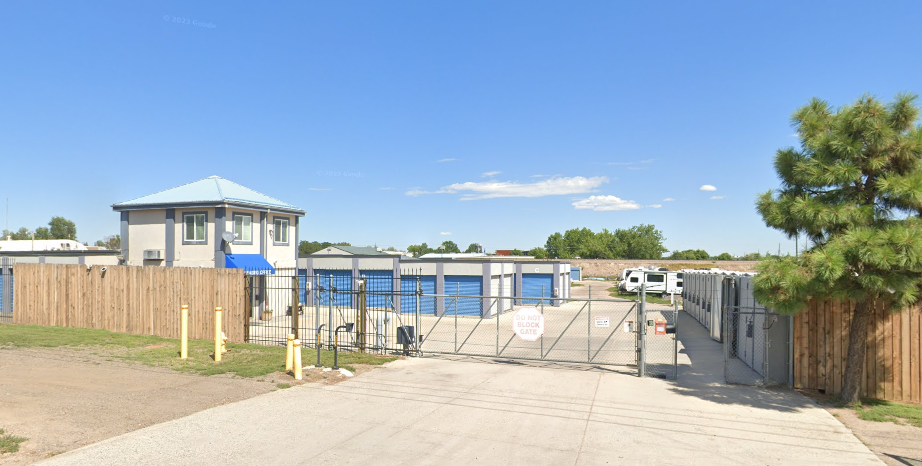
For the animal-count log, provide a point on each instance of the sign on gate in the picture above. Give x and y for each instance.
(528, 323)
(602, 322)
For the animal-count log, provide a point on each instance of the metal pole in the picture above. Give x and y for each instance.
(419, 297)
(362, 314)
(589, 305)
(295, 308)
(457, 292)
(542, 315)
(330, 318)
(642, 329)
(499, 310)
(675, 343)
(589, 334)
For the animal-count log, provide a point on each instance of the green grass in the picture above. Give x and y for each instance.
(242, 359)
(9, 443)
(283, 386)
(577, 284)
(888, 411)
(653, 299)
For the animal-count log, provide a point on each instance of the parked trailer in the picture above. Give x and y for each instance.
(658, 282)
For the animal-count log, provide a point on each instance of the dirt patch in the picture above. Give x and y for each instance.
(62, 399)
(885, 439)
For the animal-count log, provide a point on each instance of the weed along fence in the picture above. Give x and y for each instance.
(135, 300)
(893, 363)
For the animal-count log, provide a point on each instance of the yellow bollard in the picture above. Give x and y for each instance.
(297, 361)
(289, 353)
(217, 334)
(184, 332)
(223, 342)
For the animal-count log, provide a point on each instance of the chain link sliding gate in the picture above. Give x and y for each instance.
(387, 316)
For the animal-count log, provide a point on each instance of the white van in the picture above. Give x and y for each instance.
(658, 282)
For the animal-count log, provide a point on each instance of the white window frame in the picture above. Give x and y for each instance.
(185, 232)
(247, 231)
(278, 230)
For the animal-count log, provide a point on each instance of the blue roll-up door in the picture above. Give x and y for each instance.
(408, 296)
(379, 286)
(340, 279)
(470, 285)
(576, 273)
(534, 284)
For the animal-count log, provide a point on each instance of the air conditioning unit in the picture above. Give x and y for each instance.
(153, 254)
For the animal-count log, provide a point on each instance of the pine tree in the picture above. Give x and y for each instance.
(855, 188)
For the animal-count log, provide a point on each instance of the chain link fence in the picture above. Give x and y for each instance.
(756, 346)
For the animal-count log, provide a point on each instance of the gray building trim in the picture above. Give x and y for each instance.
(41, 259)
(502, 288)
(234, 216)
(518, 281)
(123, 236)
(439, 288)
(81, 260)
(556, 285)
(297, 238)
(263, 238)
(208, 204)
(220, 223)
(487, 290)
(170, 244)
(183, 219)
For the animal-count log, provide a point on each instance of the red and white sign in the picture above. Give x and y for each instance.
(528, 323)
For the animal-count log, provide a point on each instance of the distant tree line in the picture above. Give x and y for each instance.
(638, 242)
(58, 228)
(307, 248)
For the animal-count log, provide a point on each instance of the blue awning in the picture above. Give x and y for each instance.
(253, 264)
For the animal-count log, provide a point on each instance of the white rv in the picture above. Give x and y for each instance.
(657, 281)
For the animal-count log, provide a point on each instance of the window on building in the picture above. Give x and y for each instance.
(194, 228)
(243, 228)
(280, 235)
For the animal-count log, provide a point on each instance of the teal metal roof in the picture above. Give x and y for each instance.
(354, 250)
(212, 189)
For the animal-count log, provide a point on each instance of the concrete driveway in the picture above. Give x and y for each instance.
(487, 411)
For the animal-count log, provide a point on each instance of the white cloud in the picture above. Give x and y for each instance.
(446, 160)
(655, 206)
(318, 189)
(471, 190)
(490, 174)
(708, 187)
(716, 198)
(445, 233)
(668, 199)
(605, 203)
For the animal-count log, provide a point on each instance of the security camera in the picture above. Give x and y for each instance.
(104, 269)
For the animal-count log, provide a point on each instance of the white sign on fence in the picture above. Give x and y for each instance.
(602, 322)
(528, 323)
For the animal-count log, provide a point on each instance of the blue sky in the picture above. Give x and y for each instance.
(393, 123)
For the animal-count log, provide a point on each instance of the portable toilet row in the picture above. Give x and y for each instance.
(703, 296)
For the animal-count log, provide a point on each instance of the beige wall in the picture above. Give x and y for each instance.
(282, 256)
(194, 255)
(145, 231)
(256, 237)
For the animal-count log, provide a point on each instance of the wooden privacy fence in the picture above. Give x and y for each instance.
(136, 300)
(892, 366)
